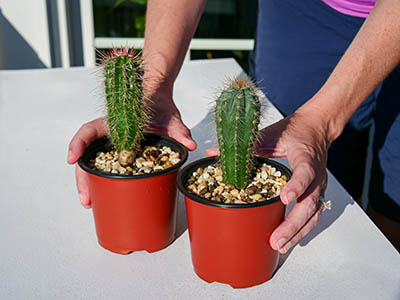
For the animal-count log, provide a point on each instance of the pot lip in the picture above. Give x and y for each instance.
(103, 141)
(182, 176)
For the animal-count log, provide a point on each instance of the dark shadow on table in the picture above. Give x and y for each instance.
(15, 51)
(328, 217)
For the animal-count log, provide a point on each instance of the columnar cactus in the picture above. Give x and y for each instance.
(237, 115)
(126, 109)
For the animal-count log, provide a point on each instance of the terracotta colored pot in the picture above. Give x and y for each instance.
(230, 242)
(135, 212)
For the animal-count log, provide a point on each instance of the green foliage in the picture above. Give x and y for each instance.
(139, 21)
(126, 110)
(237, 115)
(140, 2)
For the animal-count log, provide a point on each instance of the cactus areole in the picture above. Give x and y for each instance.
(237, 116)
(126, 111)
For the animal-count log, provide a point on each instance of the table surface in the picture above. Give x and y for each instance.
(48, 247)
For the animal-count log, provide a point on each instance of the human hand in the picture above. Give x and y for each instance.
(303, 141)
(86, 134)
(166, 120)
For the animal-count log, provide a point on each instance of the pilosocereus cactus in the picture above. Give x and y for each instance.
(237, 116)
(126, 108)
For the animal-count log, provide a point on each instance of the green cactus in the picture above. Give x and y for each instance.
(237, 115)
(126, 109)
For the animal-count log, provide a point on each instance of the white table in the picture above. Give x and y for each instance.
(48, 246)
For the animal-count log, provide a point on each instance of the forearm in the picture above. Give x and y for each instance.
(170, 25)
(372, 55)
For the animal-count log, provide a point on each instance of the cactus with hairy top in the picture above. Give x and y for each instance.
(126, 109)
(237, 115)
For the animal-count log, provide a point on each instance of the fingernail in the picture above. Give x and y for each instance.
(290, 197)
(282, 250)
(287, 247)
(69, 155)
(281, 242)
(82, 199)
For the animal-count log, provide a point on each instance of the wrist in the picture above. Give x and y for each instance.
(157, 78)
(157, 83)
(158, 91)
(325, 117)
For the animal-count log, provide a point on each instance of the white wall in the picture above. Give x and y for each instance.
(24, 34)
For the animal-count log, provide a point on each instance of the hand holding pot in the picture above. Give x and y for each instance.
(303, 142)
(166, 120)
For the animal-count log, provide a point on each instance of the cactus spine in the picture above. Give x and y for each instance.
(126, 110)
(237, 115)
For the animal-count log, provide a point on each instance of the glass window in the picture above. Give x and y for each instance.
(221, 19)
(228, 19)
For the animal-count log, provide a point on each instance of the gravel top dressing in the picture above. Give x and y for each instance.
(151, 159)
(207, 183)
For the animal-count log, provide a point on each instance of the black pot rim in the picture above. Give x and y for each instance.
(105, 143)
(187, 170)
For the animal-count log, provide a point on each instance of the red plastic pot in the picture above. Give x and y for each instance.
(137, 212)
(230, 242)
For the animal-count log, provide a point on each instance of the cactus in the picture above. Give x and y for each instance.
(126, 109)
(237, 115)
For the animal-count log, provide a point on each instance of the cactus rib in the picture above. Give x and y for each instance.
(237, 119)
(126, 109)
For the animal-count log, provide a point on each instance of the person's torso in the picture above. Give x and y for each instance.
(297, 45)
(356, 8)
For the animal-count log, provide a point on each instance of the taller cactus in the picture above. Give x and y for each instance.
(237, 115)
(126, 109)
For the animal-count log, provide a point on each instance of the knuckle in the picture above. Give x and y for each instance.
(315, 199)
(91, 125)
(317, 217)
(301, 186)
(311, 205)
(292, 228)
(305, 176)
(301, 234)
(310, 171)
(323, 175)
(85, 126)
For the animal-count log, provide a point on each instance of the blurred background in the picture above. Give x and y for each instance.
(65, 33)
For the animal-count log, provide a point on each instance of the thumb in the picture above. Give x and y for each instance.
(185, 140)
(182, 135)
